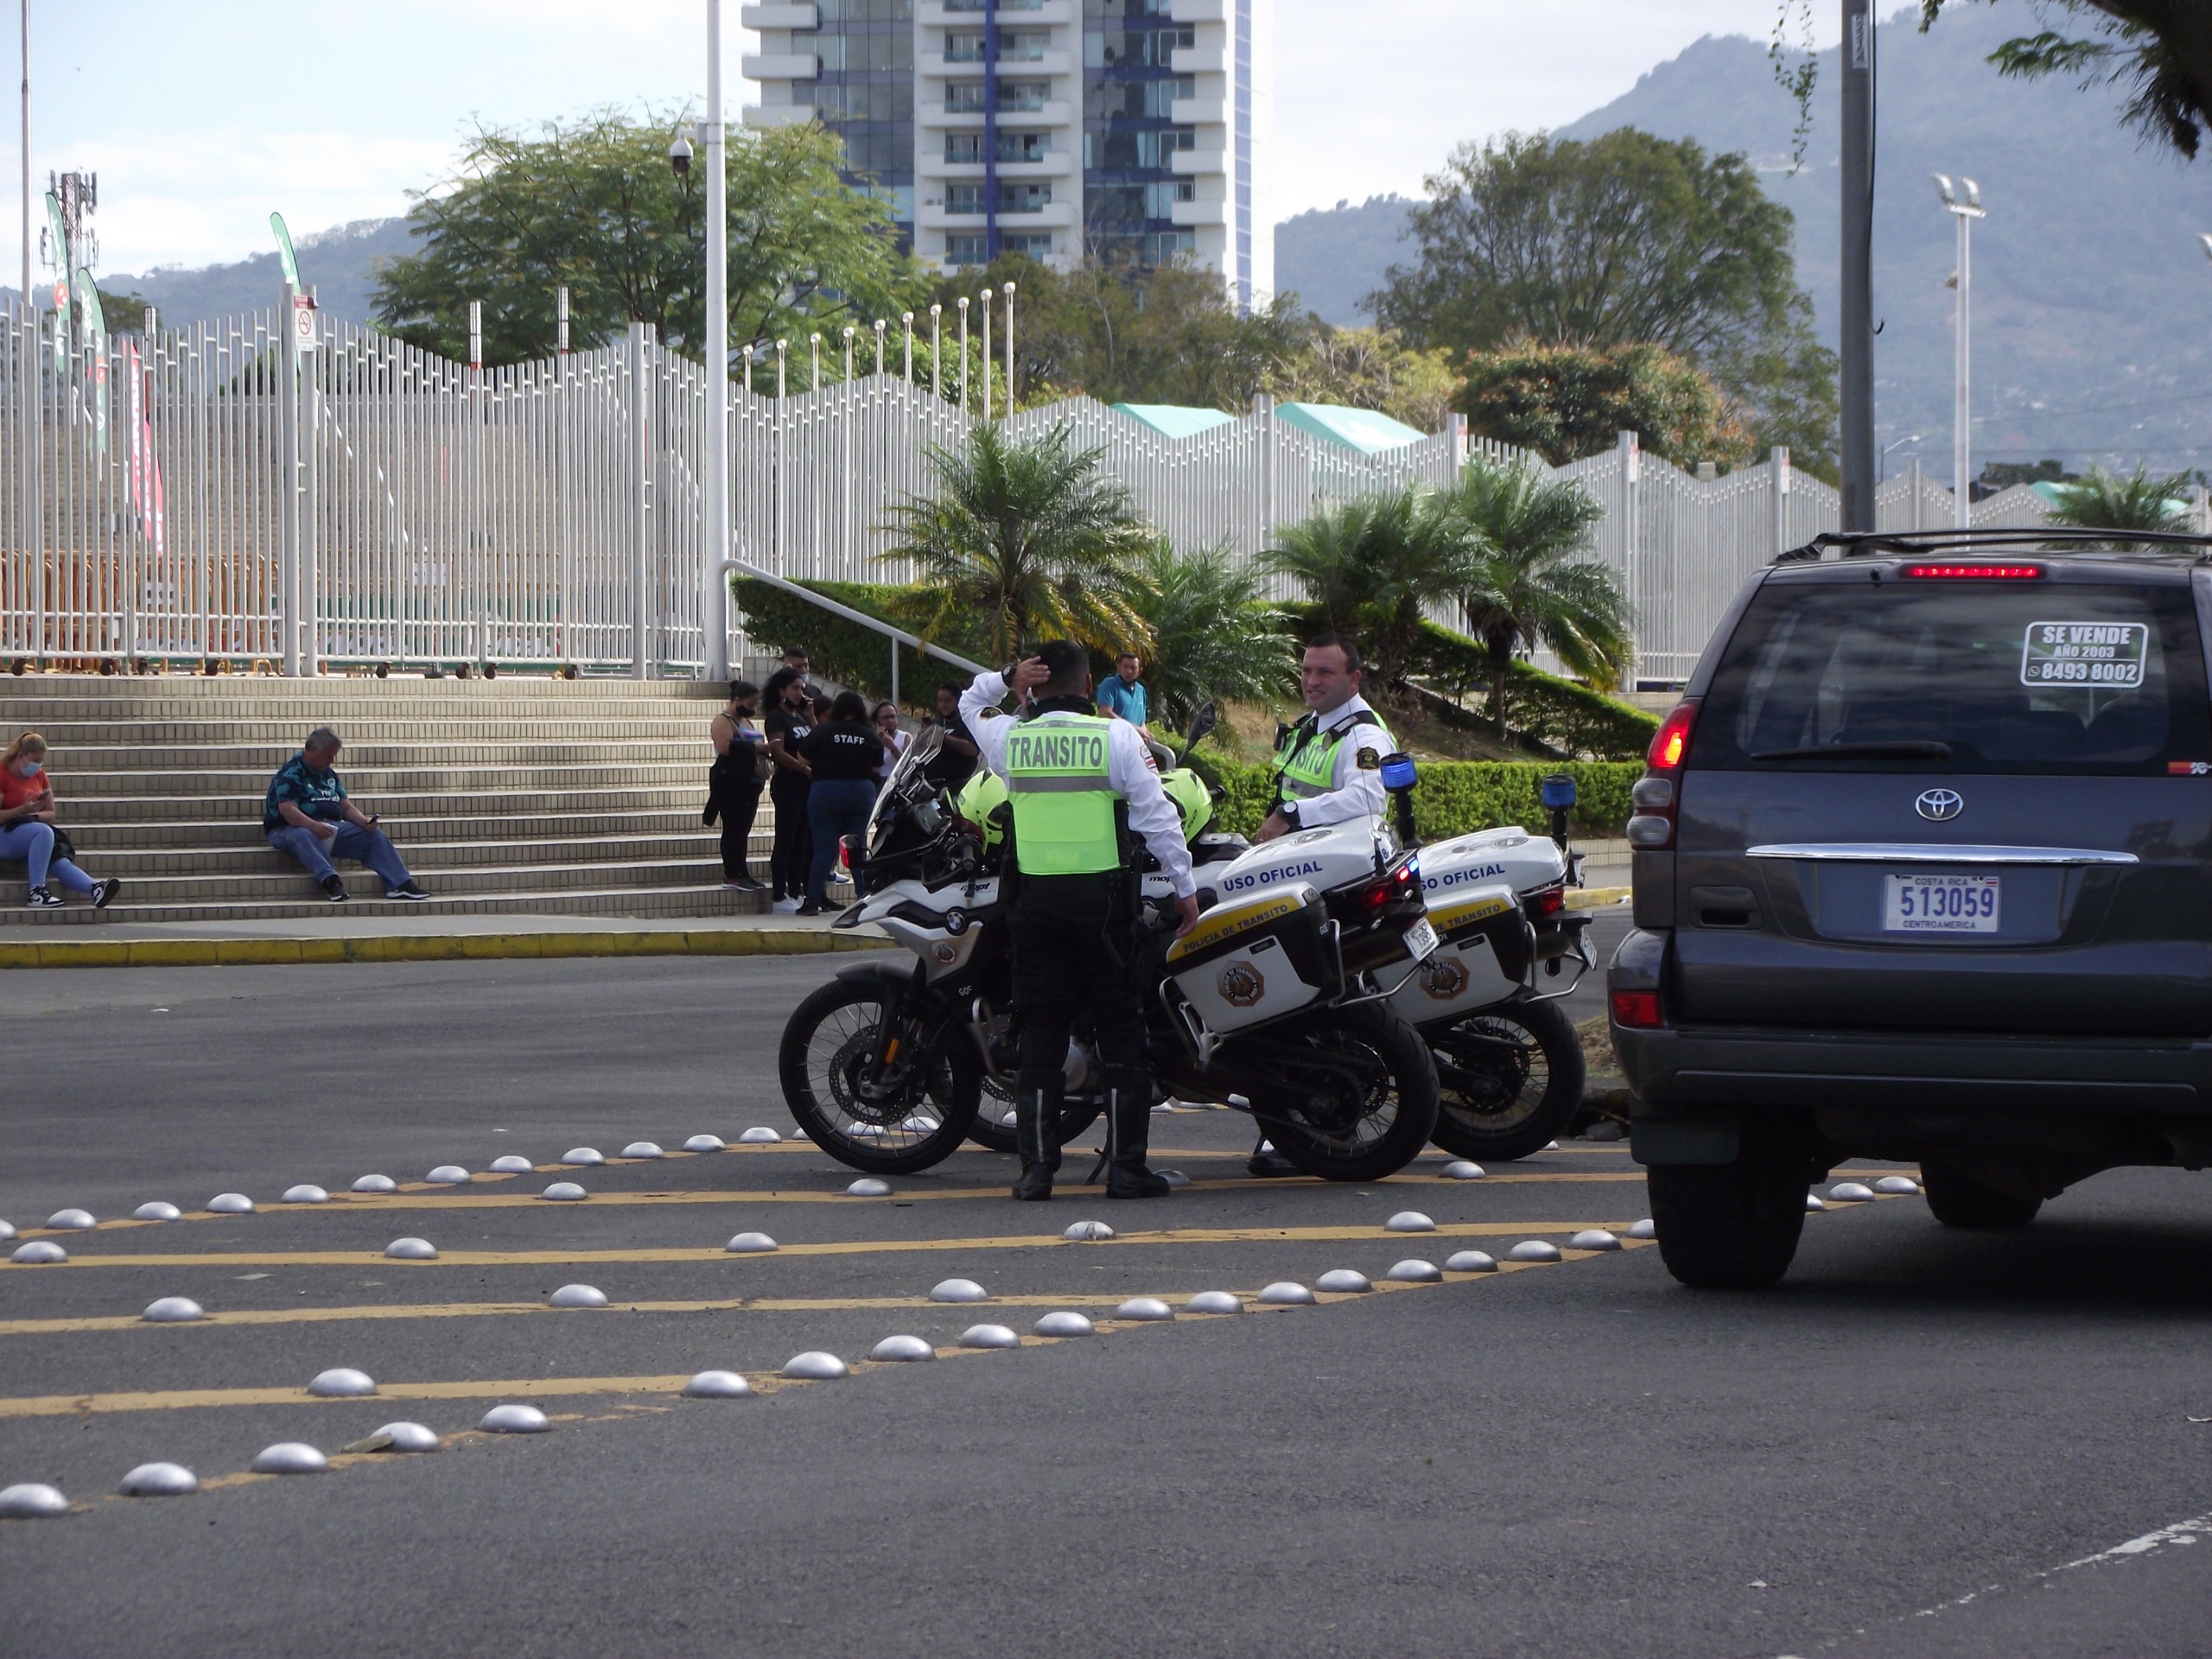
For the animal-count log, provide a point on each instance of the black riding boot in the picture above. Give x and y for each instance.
(1267, 1164)
(1129, 1127)
(1037, 1138)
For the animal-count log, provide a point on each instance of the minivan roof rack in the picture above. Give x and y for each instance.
(1861, 544)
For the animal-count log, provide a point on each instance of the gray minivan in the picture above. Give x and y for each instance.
(1924, 872)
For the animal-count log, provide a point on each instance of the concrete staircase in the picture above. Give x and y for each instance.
(577, 797)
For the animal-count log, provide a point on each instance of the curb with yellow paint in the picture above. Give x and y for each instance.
(437, 947)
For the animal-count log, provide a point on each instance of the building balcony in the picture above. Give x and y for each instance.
(936, 65)
(1199, 111)
(1053, 164)
(1053, 216)
(780, 65)
(806, 17)
(762, 118)
(1199, 11)
(1203, 59)
(1197, 213)
(1198, 163)
(1058, 112)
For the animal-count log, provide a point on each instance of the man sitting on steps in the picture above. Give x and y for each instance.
(306, 814)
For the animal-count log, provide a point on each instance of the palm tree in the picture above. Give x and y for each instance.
(1533, 582)
(2104, 501)
(1374, 566)
(1215, 635)
(1026, 539)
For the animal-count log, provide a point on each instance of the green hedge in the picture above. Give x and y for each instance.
(843, 652)
(1562, 714)
(1457, 796)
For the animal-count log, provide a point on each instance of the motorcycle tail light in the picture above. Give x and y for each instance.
(1546, 902)
(1388, 887)
(1636, 1010)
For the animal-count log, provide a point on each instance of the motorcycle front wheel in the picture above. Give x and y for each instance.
(886, 1120)
(1357, 1097)
(1512, 1078)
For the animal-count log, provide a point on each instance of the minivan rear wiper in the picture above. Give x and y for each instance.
(1901, 749)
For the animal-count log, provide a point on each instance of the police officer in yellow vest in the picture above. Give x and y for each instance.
(1080, 784)
(1328, 768)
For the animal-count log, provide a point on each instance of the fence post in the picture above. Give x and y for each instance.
(1631, 513)
(2201, 509)
(284, 367)
(1913, 471)
(1778, 484)
(30, 382)
(1263, 435)
(309, 543)
(1456, 424)
(640, 484)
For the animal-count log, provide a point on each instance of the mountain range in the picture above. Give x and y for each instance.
(2092, 299)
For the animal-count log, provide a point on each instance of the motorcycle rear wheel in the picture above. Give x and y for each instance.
(1512, 1078)
(994, 1133)
(1383, 1130)
(916, 1118)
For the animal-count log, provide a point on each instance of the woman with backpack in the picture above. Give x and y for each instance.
(27, 829)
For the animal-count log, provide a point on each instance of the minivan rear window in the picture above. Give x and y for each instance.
(1961, 676)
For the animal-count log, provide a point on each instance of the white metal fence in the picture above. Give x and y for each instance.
(550, 512)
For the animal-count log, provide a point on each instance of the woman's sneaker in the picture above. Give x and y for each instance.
(406, 890)
(104, 892)
(45, 898)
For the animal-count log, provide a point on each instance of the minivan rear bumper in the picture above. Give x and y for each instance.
(1877, 1071)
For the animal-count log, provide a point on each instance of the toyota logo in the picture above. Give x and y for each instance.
(1939, 805)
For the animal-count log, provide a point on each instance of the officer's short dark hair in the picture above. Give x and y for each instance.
(1068, 662)
(1321, 641)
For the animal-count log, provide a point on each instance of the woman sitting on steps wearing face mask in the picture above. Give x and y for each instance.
(27, 830)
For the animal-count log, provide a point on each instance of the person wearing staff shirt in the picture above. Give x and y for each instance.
(1080, 783)
(1328, 769)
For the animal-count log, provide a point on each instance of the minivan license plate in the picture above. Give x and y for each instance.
(1421, 940)
(1940, 904)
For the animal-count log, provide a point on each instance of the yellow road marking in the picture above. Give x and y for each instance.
(843, 1247)
(78, 1405)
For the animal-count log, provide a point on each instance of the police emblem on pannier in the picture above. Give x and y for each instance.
(1444, 977)
(1241, 985)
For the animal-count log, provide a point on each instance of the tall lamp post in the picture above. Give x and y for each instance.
(713, 581)
(1963, 203)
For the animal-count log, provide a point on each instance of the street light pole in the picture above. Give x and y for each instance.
(1964, 205)
(713, 580)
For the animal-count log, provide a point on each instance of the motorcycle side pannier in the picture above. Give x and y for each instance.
(1257, 959)
(1484, 949)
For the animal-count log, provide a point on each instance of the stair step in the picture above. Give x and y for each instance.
(139, 832)
(705, 900)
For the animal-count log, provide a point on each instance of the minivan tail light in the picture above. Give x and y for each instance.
(1974, 572)
(1636, 1010)
(1669, 743)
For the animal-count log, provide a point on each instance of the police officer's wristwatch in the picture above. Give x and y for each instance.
(1289, 811)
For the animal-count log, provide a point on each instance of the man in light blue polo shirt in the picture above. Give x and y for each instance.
(1122, 695)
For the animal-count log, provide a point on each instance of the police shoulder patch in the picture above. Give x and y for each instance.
(1370, 759)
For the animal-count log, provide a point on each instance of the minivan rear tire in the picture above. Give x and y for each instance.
(1729, 1226)
(1956, 1199)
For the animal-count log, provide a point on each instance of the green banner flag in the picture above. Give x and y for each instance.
(284, 252)
(95, 328)
(62, 268)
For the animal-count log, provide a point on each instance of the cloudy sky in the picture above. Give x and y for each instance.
(200, 115)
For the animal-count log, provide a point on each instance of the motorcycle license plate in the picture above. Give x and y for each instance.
(1941, 903)
(1421, 940)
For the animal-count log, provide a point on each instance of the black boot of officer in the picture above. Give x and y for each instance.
(1268, 1163)
(1129, 1127)
(1037, 1139)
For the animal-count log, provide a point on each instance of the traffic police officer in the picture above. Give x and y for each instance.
(1328, 768)
(1077, 784)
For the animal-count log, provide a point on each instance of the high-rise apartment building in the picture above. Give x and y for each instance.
(1131, 129)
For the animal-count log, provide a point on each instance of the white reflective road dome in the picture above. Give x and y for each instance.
(1144, 1307)
(411, 1249)
(1343, 1279)
(1409, 1221)
(231, 1204)
(718, 1385)
(1064, 1323)
(514, 1420)
(1533, 1249)
(289, 1458)
(173, 1310)
(815, 1367)
(409, 1437)
(642, 1149)
(1594, 1238)
(1088, 1232)
(159, 1480)
(31, 1501)
(1285, 1292)
(750, 1244)
(447, 1175)
(376, 1184)
(39, 1252)
(306, 1192)
(565, 1193)
(578, 1296)
(705, 1143)
(341, 1382)
(957, 1290)
(1470, 1261)
(759, 1136)
(988, 1336)
(511, 1164)
(1213, 1301)
(71, 1220)
(1413, 1273)
(902, 1349)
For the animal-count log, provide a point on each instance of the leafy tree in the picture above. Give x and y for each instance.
(123, 314)
(1025, 540)
(1372, 567)
(1624, 240)
(2160, 50)
(593, 204)
(2104, 501)
(1566, 401)
(1214, 634)
(1126, 333)
(1532, 581)
(2003, 474)
(1370, 368)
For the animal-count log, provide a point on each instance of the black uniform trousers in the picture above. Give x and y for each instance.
(1073, 952)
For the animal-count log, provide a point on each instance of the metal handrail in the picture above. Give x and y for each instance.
(897, 636)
